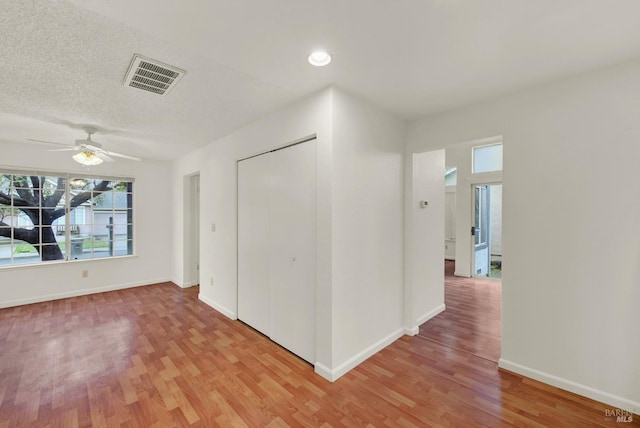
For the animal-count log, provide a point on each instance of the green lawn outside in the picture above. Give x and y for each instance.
(86, 245)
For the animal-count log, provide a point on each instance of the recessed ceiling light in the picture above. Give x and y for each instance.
(319, 58)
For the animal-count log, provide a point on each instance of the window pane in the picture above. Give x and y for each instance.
(99, 244)
(24, 221)
(97, 184)
(22, 182)
(120, 217)
(487, 158)
(8, 215)
(5, 183)
(451, 176)
(5, 245)
(50, 185)
(102, 201)
(53, 252)
(79, 184)
(122, 246)
(24, 248)
(78, 248)
(5, 235)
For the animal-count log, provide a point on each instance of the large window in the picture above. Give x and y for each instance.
(54, 217)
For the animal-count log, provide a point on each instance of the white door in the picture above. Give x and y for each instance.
(293, 249)
(487, 230)
(253, 242)
(277, 246)
(481, 231)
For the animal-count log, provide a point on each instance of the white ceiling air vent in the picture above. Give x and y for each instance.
(151, 75)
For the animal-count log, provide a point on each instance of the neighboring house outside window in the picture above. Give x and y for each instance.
(59, 217)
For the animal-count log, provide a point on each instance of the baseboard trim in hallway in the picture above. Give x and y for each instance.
(568, 385)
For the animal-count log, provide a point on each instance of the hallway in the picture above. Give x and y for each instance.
(471, 322)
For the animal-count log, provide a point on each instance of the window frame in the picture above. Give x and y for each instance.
(67, 217)
(482, 146)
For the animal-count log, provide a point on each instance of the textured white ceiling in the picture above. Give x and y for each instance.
(62, 63)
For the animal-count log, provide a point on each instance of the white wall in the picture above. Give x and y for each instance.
(217, 163)
(368, 153)
(28, 284)
(360, 278)
(570, 227)
(424, 238)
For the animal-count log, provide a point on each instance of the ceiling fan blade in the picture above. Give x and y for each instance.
(48, 142)
(104, 157)
(120, 155)
(68, 149)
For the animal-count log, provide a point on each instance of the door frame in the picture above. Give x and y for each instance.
(191, 230)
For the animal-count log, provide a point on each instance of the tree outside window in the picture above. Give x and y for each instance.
(46, 218)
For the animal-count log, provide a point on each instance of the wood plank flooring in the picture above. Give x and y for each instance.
(156, 356)
(471, 322)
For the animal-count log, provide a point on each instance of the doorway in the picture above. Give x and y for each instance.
(191, 268)
(486, 230)
(473, 299)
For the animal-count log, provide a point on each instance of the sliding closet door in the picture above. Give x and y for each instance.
(293, 249)
(253, 242)
(277, 246)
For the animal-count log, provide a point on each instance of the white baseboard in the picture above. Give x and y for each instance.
(186, 284)
(432, 313)
(224, 311)
(333, 374)
(413, 330)
(323, 371)
(568, 385)
(76, 293)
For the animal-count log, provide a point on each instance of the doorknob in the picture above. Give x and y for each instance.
(473, 231)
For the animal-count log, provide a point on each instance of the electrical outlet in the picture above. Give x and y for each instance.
(85, 274)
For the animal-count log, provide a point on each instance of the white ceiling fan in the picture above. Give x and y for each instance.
(89, 152)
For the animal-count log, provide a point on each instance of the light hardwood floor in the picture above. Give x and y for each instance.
(471, 321)
(156, 356)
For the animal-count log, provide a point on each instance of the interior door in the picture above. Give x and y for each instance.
(293, 249)
(277, 246)
(481, 230)
(254, 187)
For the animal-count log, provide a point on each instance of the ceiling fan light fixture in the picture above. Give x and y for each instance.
(319, 58)
(87, 158)
(78, 182)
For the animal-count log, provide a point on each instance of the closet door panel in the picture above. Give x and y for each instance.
(293, 249)
(254, 242)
